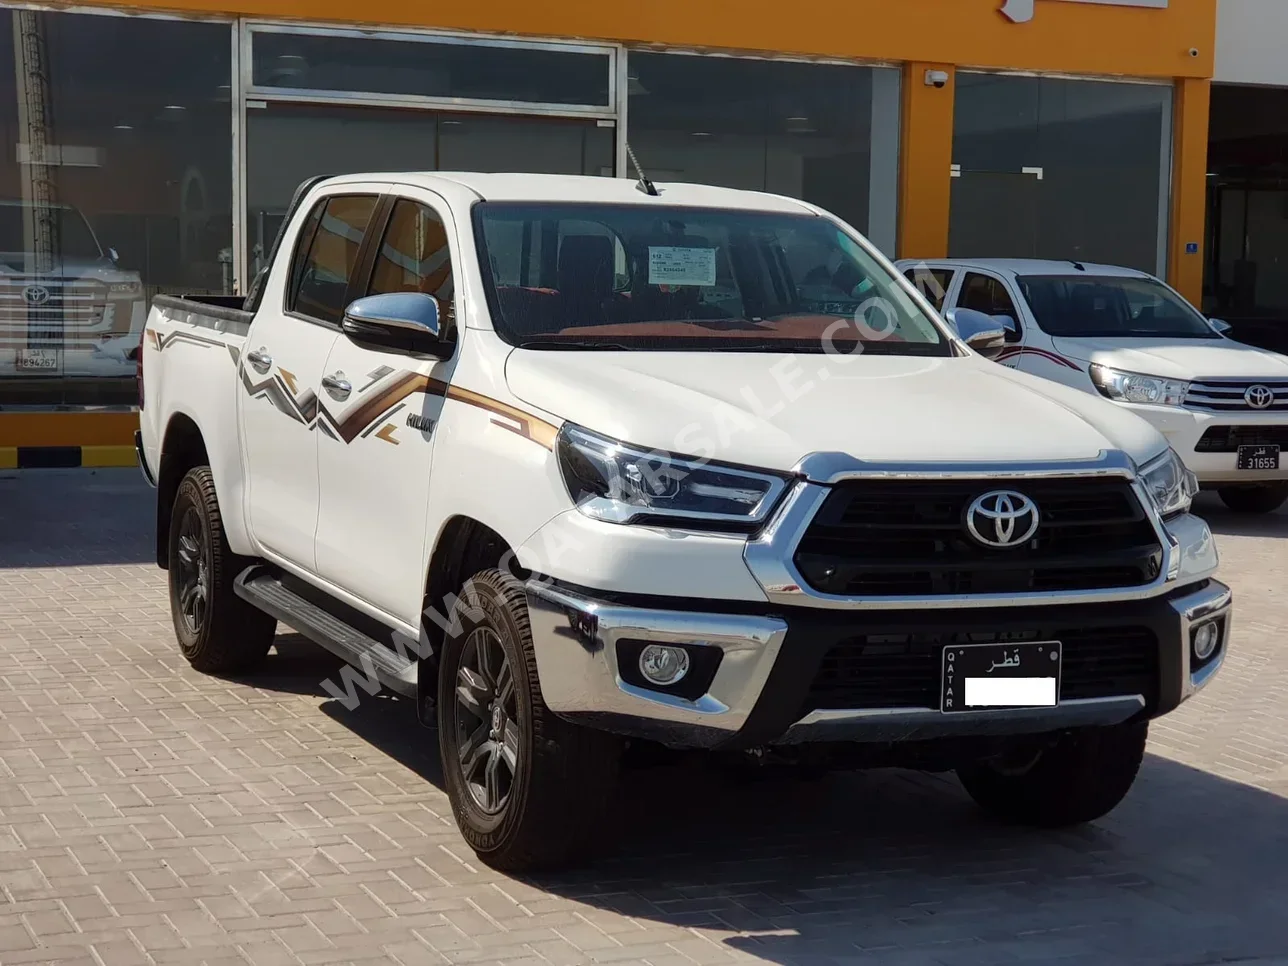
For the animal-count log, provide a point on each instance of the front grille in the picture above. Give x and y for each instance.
(882, 538)
(1228, 439)
(1226, 395)
(68, 304)
(903, 670)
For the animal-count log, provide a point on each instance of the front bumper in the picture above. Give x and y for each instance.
(760, 687)
(1183, 429)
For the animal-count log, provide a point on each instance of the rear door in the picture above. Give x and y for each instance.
(378, 410)
(281, 371)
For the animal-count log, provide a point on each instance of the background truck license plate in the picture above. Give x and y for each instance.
(1258, 457)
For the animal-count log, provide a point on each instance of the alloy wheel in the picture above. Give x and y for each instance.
(486, 716)
(194, 571)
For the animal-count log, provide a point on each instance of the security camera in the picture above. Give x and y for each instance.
(937, 78)
(1194, 51)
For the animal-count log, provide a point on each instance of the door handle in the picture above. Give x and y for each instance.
(337, 386)
(260, 359)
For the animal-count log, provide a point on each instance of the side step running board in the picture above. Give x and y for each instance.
(266, 590)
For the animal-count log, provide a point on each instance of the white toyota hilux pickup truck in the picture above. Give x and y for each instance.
(584, 466)
(1126, 335)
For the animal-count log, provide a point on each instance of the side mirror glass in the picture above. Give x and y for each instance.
(1220, 326)
(983, 333)
(403, 321)
(113, 255)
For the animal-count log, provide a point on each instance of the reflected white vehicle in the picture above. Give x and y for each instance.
(73, 313)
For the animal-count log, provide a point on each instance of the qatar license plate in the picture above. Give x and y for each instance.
(1258, 458)
(999, 676)
(39, 360)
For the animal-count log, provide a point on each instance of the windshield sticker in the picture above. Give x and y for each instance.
(681, 266)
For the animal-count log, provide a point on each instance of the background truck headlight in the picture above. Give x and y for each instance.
(619, 483)
(1169, 484)
(1138, 388)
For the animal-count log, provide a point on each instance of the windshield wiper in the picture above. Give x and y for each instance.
(571, 344)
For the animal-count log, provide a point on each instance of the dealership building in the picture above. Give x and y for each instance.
(154, 148)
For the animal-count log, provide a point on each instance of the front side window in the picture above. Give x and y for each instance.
(672, 278)
(1111, 306)
(322, 277)
(414, 257)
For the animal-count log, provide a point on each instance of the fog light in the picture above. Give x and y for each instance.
(1206, 637)
(662, 665)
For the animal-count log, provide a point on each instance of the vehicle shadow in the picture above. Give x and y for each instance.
(899, 867)
(1225, 522)
(70, 518)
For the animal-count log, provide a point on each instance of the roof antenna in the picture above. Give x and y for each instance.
(643, 184)
(1079, 266)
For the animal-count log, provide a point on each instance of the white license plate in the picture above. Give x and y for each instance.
(41, 360)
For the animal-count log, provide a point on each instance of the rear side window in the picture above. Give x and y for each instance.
(325, 262)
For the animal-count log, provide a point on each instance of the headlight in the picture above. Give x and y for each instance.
(125, 288)
(1170, 485)
(617, 483)
(1137, 388)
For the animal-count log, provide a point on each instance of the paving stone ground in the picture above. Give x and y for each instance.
(150, 814)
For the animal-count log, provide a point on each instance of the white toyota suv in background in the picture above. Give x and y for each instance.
(1127, 336)
(584, 467)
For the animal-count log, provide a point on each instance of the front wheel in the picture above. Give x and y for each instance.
(528, 790)
(1080, 778)
(1254, 499)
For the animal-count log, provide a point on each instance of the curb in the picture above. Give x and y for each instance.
(65, 457)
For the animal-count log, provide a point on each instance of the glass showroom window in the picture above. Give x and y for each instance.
(827, 133)
(1049, 167)
(115, 184)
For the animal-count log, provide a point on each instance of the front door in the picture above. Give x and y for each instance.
(281, 369)
(377, 414)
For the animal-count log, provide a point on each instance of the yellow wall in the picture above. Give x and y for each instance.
(1063, 37)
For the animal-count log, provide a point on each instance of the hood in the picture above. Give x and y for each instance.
(772, 410)
(1184, 359)
(100, 269)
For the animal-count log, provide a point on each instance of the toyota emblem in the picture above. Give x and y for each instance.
(35, 295)
(1002, 519)
(1259, 397)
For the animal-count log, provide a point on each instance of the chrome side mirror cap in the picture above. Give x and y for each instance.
(406, 321)
(1220, 326)
(983, 333)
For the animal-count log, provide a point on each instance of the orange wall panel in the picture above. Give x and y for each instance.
(1072, 37)
(1189, 186)
(68, 429)
(925, 185)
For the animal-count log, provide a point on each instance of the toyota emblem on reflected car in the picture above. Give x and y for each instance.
(1002, 518)
(35, 295)
(1259, 397)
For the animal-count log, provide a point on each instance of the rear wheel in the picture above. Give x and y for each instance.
(218, 632)
(1080, 778)
(528, 789)
(1254, 499)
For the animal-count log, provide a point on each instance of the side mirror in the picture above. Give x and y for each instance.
(403, 321)
(1009, 326)
(113, 255)
(983, 333)
(1220, 326)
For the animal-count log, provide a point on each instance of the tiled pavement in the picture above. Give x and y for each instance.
(150, 814)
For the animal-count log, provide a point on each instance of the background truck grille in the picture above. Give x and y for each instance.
(68, 304)
(1228, 439)
(903, 670)
(1226, 395)
(879, 538)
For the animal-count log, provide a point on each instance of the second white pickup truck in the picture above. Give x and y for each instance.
(579, 463)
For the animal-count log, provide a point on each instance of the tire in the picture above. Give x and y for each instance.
(529, 790)
(1079, 779)
(1254, 499)
(218, 632)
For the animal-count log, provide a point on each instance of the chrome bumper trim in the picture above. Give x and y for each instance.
(142, 458)
(1214, 600)
(915, 724)
(575, 642)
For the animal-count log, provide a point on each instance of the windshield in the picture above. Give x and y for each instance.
(668, 278)
(1110, 306)
(75, 240)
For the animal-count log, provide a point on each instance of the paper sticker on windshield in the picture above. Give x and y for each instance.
(681, 266)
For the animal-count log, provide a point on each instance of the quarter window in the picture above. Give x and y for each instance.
(322, 276)
(415, 257)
